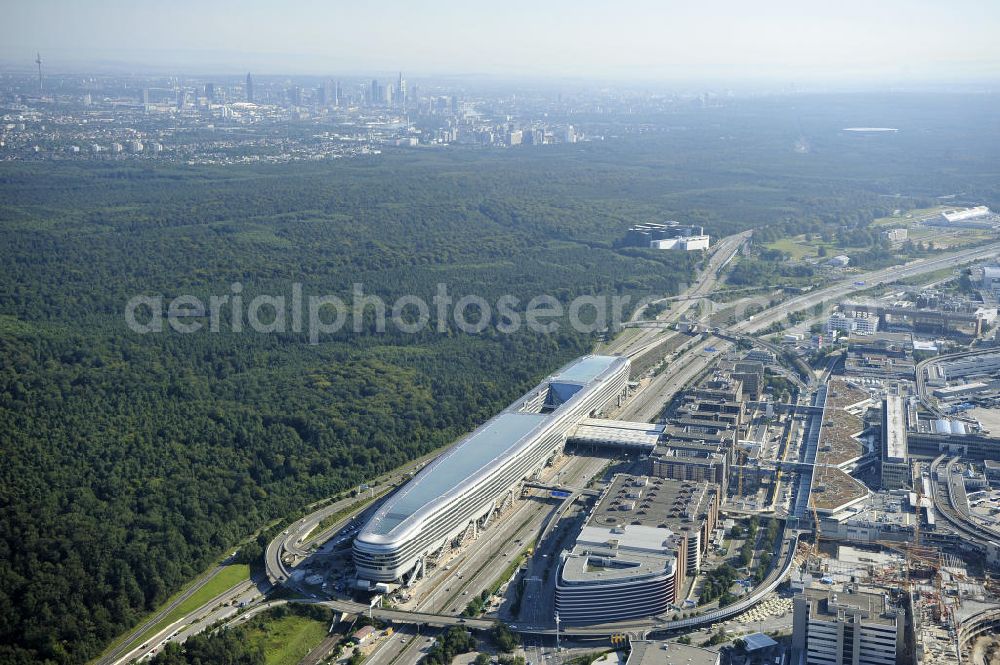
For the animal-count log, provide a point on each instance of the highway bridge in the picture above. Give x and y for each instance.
(640, 627)
(922, 366)
(976, 535)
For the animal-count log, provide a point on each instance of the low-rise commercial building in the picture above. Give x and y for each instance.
(648, 652)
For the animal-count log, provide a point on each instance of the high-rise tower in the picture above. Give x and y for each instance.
(250, 97)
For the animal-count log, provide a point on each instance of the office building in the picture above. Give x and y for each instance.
(846, 625)
(632, 556)
(461, 489)
(895, 467)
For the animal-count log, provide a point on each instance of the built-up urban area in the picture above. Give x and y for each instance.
(815, 483)
(256, 118)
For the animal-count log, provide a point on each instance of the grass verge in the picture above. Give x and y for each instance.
(287, 640)
(227, 578)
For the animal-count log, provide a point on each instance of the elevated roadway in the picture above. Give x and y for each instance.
(944, 492)
(922, 366)
(724, 252)
(867, 280)
(785, 559)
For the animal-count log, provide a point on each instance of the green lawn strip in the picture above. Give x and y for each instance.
(908, 217)
(798, 248)
(287, 640)
(227, 578)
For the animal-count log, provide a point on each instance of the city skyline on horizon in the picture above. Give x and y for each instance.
(893, 42)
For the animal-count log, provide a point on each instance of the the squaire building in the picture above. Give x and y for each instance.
(469, 481)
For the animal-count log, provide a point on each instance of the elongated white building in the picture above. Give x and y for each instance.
(464, 485)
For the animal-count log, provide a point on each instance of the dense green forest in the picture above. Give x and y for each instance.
(131, 461)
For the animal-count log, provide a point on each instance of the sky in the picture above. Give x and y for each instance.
(806, 40)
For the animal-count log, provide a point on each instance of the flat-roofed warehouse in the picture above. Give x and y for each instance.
(463, 486)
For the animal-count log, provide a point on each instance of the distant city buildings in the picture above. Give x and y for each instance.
(244, 119)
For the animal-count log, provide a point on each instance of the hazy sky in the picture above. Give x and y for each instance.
(667, 40)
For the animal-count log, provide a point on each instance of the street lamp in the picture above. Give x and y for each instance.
(558, 648)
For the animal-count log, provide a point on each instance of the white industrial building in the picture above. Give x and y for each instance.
(688, 243)
(852, 325)
(965, 214)
(839, 261)
(895, 235)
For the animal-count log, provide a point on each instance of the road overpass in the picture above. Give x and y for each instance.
(981, 537)
(639, 627)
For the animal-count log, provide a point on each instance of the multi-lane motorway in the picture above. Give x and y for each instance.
(636, 344)
(861, 282)
(439, 608)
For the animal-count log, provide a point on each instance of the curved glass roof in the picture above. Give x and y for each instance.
(584, 370)
(482, 447)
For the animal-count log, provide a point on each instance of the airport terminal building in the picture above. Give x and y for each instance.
(465, 485)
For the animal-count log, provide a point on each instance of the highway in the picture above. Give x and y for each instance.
(644, 406)
(637, 344)
(445, 594)
(944, 482)
(785, 559)
(869, 279)
(114, 654)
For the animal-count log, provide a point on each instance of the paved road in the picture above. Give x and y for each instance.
(637, 344)
(115, 654)
(278, 571)
(223, 606)
(446, 593)
(870, 279)
(956, 510)
(646, 405)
